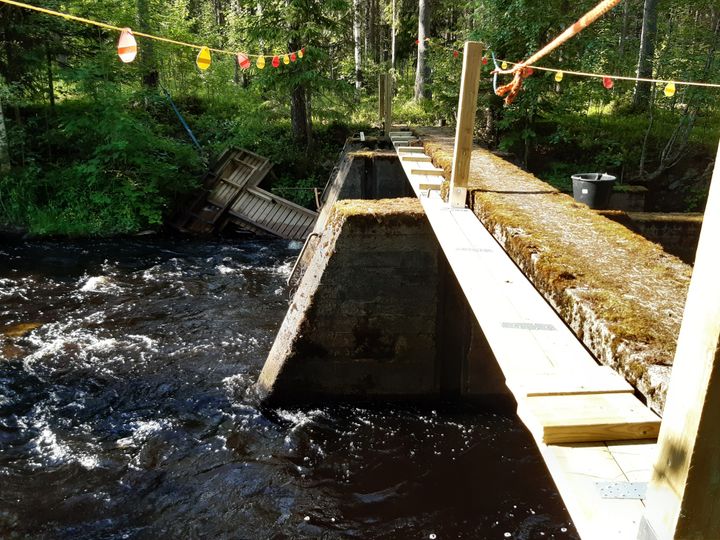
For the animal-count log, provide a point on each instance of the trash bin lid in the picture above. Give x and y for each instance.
(594, 177)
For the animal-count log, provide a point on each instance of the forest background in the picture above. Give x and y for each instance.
(91, 146)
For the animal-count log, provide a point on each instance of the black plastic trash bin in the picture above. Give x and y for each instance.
(593, 189)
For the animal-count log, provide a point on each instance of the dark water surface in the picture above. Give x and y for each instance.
(122, 414)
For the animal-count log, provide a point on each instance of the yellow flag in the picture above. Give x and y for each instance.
(559, 76)
(670, 89)
(260, 62)
(504, 65)
(203, 59)
(286, 59)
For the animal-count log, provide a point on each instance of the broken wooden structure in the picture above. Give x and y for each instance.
(230, 195)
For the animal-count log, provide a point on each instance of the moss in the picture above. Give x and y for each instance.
(630, 293)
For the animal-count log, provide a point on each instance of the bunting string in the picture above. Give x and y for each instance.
(613, 77)
(202, 48)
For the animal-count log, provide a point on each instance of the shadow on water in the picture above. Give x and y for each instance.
(123, 369)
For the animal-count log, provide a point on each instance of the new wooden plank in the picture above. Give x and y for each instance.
(417, 159)
(588, 418)
(635, 458)
(685, 489)
(576, 469)
(428, 172)
(592, 380)
(428, 182)
(465, 123)
(410, 150)
(522, 329)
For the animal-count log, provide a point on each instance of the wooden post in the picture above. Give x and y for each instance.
(381, 97)
(683, 499)
(465, 123)
(388, 104)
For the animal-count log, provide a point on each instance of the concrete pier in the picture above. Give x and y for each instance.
(379, 313)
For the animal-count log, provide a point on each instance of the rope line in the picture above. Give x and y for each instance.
(615, 77)
(106, 26)
(520, 72)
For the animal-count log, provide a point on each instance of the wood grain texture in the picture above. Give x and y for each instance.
(588, 418)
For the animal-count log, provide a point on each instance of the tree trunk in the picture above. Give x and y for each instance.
(301, 126)
(358, 44)
(393, 36)
(422, 73)
(51, 83)
(624, 31)
(4, 152)
(150, 76)
(647, 52)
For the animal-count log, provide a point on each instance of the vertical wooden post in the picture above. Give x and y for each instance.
(465, 123)
(381, 98)
(683, 498)
(387, 128)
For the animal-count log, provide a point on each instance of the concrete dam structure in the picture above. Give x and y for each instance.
(376, 312)
(400, 297)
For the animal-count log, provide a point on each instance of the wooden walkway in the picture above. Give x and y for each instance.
(597, 438)
(231, 195)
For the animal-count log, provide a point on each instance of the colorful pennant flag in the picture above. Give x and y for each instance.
(243, 60)
(127, 46)
(204, 59)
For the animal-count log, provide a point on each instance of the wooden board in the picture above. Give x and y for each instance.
(576, 469)
(428, 172)
(588, 418)
(599, 380)
(417, 159)
(410, 150)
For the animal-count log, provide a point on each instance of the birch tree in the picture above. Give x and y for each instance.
(358, 44)
(422, 72)
(393, 36)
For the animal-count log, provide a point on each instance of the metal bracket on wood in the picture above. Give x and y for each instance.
(622, 490)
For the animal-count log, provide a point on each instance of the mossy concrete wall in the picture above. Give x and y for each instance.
(676, 233)
(361, 173)
(378, 314)
(621, 294)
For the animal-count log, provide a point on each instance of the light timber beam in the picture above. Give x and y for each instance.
(465, 123)
(684, 494)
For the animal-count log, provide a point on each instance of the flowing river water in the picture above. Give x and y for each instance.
(123, 414)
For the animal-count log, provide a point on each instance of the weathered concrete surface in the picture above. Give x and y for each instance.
(360, 174)
(620, 293)
(373, 317)
(676, 233)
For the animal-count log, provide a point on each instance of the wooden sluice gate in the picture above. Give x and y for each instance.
(230, 195)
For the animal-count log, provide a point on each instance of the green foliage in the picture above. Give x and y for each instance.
(114, 172)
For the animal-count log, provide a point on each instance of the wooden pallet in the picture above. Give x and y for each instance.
(230, 194)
